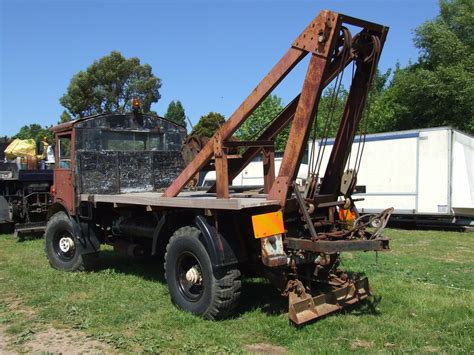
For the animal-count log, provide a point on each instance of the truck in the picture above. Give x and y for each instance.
(120, 179)
(431, 187)
(24, 196)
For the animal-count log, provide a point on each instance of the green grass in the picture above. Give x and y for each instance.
(424, 296)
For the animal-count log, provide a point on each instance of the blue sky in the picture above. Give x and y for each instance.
(209, 54)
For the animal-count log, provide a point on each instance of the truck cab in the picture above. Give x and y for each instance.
(114, 153)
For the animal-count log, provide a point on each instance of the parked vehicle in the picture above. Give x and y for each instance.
(24, 194)
(120, 179)
(427, 175)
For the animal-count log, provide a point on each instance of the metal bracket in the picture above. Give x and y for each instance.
(315, 37)
(305, 213)
(222, 172)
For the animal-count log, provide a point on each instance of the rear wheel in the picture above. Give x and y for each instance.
(61, 243)
(194, 285)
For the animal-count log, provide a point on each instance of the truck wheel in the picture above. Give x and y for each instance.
(61, 244)
(193, 283)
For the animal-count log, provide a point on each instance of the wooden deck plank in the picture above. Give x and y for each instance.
(183, 200)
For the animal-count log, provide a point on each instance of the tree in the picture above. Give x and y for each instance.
(330, 110)
(208, 124)
(438, 89)
(109, 84)
(34, 131)
(175, 113)
(65, 117)
(261, 118)
(378, 115)
(272, 106)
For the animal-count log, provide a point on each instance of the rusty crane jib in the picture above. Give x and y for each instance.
(323, 39)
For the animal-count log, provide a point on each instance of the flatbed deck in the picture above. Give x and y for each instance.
(196, 199)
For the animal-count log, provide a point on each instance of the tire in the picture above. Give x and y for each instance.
(61, 234)
(215, 294)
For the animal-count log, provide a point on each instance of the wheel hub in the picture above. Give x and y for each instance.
(190, 277)
(193, 275)
(66, 244)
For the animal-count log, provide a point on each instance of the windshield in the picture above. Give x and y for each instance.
(126, 141)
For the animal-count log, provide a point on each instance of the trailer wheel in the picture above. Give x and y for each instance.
(193, 283)
(62, 247)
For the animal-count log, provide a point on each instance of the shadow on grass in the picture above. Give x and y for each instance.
(257, 293)
(148, 268)
(25, 237)
(365, 307)
(260, 294)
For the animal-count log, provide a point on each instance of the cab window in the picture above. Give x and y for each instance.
(64, 152)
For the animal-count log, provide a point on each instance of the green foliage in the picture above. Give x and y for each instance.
(175, 113)
(65, 117)
(330, 110)
(109, 84)
(34, 131)
(438, 89)
(261, 118)
(272, 106)
(378, 115)
(208, 124)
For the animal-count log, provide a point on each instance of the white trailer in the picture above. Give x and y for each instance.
(252, 174)
(426, 175)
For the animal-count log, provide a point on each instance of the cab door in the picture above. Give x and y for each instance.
(64, 171)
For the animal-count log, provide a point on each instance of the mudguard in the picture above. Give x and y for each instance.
(88, 237)
(86, 233)
(220, 251)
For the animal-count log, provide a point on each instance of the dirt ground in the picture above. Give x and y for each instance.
(262, 348)
(52, 341)
(59, 341)
(46, 339)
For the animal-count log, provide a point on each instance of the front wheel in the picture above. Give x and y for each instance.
(61, 243)
(194, 285)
